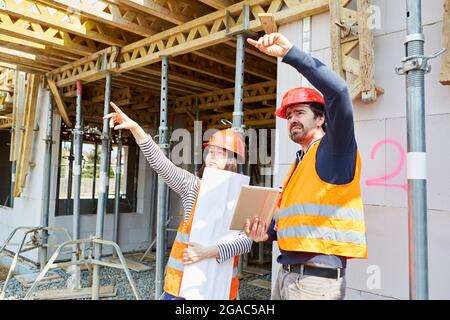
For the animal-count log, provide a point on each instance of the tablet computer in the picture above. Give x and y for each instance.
(254, 201)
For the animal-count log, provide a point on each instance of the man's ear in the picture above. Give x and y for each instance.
(320, 120)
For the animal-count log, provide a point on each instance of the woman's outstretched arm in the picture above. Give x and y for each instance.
(179, 180)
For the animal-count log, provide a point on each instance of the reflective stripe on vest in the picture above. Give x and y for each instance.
(175, 265)
(316, 216)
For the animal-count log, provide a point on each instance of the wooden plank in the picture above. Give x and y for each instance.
(258, 271)
(18, 108)
(59, 102)
(154, 9)
(28, 279)
(20, 28)
(261, 283)
(68, 267)
(27, 136)
(68, 294)
(6, 122)
(132, 264)
(63, 20)
(351, 65)
(250, 66)
(366, 54)
(445, 70)
(335, 34)
(217, 4)
(269, 25)
(108, 13)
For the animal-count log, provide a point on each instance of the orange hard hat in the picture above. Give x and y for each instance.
(296, 96)
(228, 139)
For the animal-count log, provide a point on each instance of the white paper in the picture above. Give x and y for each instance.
(218, 196)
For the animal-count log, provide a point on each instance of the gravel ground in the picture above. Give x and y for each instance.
(145, 282)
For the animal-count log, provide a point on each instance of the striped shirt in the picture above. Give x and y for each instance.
(187, 186)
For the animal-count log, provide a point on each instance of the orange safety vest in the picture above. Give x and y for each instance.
(175, 266)
(316, 216)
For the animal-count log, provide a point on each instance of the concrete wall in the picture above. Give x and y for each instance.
(27, 208)
(5, 166)
(382, 141)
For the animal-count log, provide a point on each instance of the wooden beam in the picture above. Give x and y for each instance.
(37, 48)
(445, 70)
(251, 67)
(269, 25)
(59, 102)
(112, 14)
(192, 62)
(253, 52)
(23, 29)
(26, 63)
(197, 34)
(26, 140)
(335, 40)
(366, 53)
(6, 121)
(19, 67)
(44, 61)
(153, 8)
(348, 30)
(18, 109)
(261, 117)
(221, 98)
(217, 4)
(63, 20)
(56, 60)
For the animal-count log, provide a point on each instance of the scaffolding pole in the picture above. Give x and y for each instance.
(102, 195)
(77, 147)
(70, 175)
(415, 66)
(117, 190)
(417, 188)
(95, 176)
(238, 113)
(46, 182)
(162, 189)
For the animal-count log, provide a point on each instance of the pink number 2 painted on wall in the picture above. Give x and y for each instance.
(382, 181)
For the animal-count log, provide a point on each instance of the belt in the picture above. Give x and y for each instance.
(315, 271)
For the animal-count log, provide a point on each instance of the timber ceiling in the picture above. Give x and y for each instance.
(70, 40)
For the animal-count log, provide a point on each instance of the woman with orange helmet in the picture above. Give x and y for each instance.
(224, 149)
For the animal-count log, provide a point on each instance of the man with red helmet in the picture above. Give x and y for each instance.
(319, 222)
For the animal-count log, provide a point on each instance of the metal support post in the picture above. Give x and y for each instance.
(102, 195)
(95, 176)
(77, 146)
(117, 190)
(417, 188)
(162, 190)
(46, 181)
(415, 66)
(238, 113)
(198, 154)
(69, 206)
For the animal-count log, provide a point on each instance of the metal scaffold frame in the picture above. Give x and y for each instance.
(93, 243)
(36, 242)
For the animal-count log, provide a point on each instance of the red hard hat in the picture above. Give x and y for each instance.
(228, 139)
(296, 96)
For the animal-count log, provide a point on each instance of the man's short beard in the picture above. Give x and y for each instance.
(297, 138)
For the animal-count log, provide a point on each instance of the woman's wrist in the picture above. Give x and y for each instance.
(213, 252)
(139, 134)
